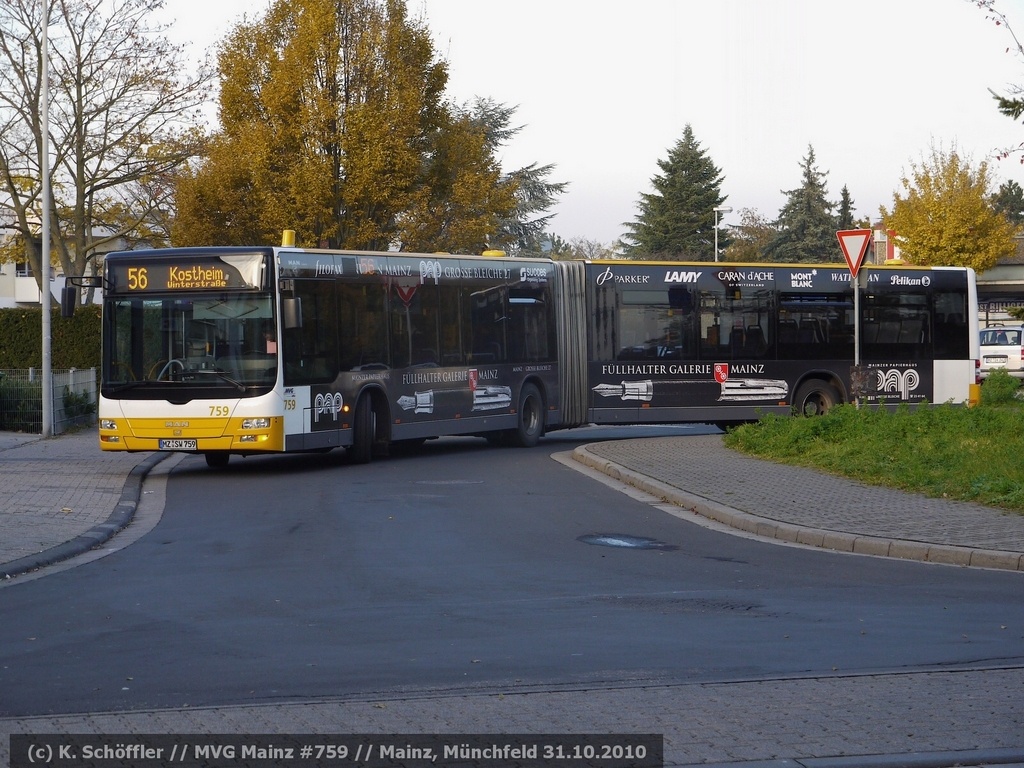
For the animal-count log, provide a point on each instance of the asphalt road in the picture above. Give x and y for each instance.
(463, 567)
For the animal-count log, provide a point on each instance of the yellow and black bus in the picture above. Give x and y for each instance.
(238, 350)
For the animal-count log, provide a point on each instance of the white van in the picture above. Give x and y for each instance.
(1001, 348)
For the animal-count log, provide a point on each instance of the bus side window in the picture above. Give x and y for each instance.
(889, 331)
(311, 352)
(736, 342)
(414, 319)
(530, 338)
(912, 331)
(951, 337)
(450, 324)
(808, 332)
(788, 331)
(363, 326)
(488, 318)
(755, 344)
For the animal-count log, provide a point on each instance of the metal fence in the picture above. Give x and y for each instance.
(21, 399)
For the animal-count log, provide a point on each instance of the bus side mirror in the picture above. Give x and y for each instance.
(291, 312)
(75, 283)
(67, 301)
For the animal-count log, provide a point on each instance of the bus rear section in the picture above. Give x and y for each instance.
(727, 343)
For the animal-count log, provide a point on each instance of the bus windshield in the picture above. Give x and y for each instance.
(207, 341)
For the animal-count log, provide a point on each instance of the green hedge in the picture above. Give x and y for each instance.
(74, 341)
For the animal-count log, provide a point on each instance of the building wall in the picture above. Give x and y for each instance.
(999, 289)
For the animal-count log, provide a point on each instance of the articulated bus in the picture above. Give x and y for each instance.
(238, 350)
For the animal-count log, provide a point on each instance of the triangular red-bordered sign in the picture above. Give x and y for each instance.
(854, 244)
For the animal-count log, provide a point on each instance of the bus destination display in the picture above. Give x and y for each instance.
(186, 274)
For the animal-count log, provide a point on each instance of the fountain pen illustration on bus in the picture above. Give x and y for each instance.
(254, 350)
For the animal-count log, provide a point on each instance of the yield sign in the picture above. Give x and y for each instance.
(854, 244)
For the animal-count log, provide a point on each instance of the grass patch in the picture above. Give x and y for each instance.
(951, 452)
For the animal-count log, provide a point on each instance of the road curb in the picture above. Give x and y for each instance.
(121, 515)
(766, 527)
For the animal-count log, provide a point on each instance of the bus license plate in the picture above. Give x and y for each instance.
(177, 445)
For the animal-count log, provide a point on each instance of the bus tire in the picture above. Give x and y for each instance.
(217, 459)
(530, 424)
(363, 432)
(816, 398)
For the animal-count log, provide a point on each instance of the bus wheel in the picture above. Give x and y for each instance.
(531, 417)
(363, 430)
(816, 398)
(218, 459)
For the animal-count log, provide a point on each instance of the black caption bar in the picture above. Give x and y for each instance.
(495, 750)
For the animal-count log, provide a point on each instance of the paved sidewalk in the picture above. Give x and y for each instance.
(913, 720)
(63, 496)
(805, 506)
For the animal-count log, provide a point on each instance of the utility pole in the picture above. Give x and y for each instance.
(44, 298)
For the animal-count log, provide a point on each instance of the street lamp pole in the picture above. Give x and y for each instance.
(44, 261)
(719, 209)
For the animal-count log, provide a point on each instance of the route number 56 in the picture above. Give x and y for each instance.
(137, 279)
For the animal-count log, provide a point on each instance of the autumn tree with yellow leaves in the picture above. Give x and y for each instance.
(334, 124)
(945, 215)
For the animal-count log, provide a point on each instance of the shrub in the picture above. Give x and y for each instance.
(21, 405)
(1000, 388)
(77, 404)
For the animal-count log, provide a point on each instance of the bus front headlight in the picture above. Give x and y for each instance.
(261, 423)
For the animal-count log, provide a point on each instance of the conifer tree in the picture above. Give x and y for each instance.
(522, 230)
(845, 220)
(807, 227)
(677, 220)
(1009, 201)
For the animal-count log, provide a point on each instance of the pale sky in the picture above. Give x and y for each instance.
(604, 90)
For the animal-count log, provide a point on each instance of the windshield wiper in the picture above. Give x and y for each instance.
(128, 385)
(239, 385)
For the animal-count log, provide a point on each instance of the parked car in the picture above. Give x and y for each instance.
(1001, 347)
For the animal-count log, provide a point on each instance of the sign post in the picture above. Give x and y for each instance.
(854, 245)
